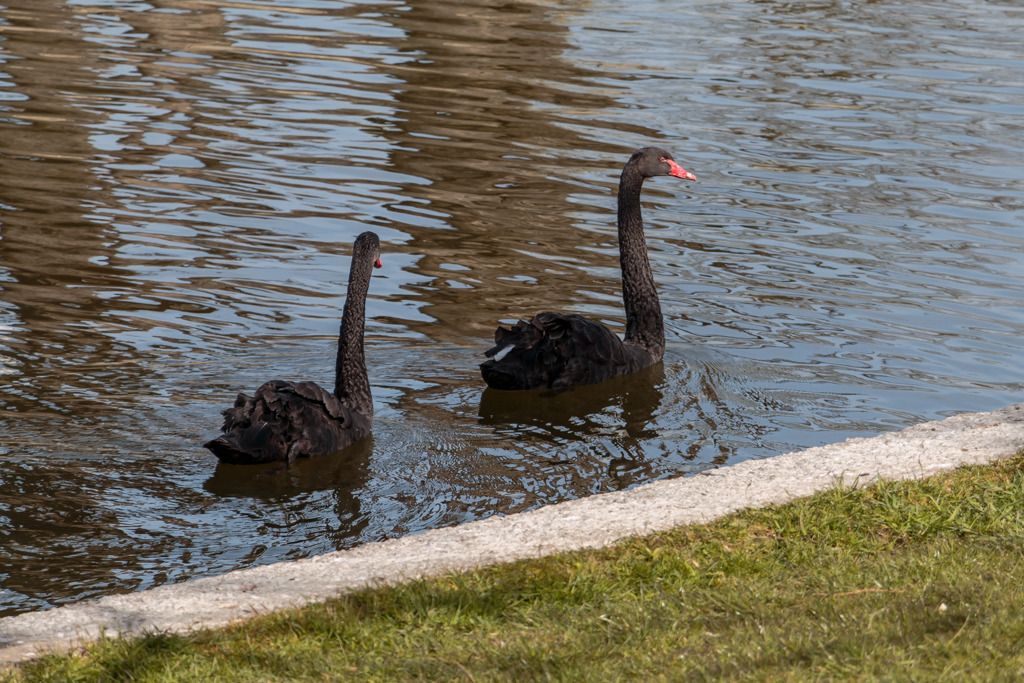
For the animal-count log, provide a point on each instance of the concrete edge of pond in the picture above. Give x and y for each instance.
(592, 522)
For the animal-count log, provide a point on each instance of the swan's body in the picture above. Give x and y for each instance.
(283, 421)
(558, 350)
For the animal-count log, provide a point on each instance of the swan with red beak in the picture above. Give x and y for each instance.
(560, 350)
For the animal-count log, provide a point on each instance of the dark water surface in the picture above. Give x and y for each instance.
(181, 181)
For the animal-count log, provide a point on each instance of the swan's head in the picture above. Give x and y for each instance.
(653, 161)
(367, 246)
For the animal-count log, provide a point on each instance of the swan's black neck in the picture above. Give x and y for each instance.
(351, 385)
(644, 324)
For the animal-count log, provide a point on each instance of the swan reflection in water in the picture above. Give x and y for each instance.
(323, 498)
(618, 414)
(346, 472)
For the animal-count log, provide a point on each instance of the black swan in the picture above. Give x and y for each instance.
(285, 420)
(560, 350)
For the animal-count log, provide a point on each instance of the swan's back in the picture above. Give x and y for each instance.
(284, 421)
(556, 351)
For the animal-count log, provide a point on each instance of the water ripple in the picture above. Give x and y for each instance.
(182, 181)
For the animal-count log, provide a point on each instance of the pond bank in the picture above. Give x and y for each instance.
(587, 523)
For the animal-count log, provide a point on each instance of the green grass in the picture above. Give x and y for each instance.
(903, 581)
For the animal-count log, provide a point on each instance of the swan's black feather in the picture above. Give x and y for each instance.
(285, 421)
(556, 351)
(288, 420)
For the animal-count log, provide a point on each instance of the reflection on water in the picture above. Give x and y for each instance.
(180, 184)
(629, 403)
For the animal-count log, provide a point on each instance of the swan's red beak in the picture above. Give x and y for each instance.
(378, 263)
(678, 171)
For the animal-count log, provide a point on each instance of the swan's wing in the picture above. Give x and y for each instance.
(283, 421)
(311, 391)
(553, 350)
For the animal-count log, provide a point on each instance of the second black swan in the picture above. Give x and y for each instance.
(560, 350)
(283, 421)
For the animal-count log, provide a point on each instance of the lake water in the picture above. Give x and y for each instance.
(181, 182)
